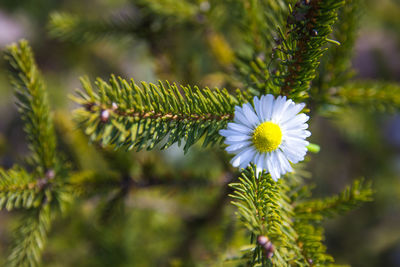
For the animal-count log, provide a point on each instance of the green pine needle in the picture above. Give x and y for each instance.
(33, 105)
(300, 45)
(125, 114)
(18, 189)
(30, 238)
(352, 197)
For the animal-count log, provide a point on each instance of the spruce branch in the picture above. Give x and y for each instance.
(319, 209)
(44, 187)
(252, 68)
(173, 10)
(300, 46)
(125, 115)
(310, 240)
(264, 209)
(74, 28)
(33, 105)
(336, 64)
(310, 212)
(381, 96)
(18, 189)
(30, 238)
(143, 18)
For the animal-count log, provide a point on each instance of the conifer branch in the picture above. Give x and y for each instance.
(260, 25)
(319, 209)
(33, 105)
(126, 115)
(381, 96)
(264, 210)
(335, 68)
(36, 191)
(30, 238)
(301, 45)
(144, 18)
(73, 28)
(336, 65)
(173, 10)
(18, 189)
(310, 243)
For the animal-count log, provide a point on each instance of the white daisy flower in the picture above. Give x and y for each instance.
(271, 135)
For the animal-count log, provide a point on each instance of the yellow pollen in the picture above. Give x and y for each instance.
(267, 137)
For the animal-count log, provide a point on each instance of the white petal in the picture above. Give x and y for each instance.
(294, 154)
(284, 162)
(292, 111)
(240, 117)
(297, 133)
(279, 167)
(258, 108)
(273, 168)
(237, 138)
(255, 160)
(279, 113)
(236, 148)
(260, 162)
(239, 128)
(297, 121)
(295, 141)
(279, 105)
(290, 155)
(239, 158)
(252, 118)
(243, 158)
(267, 106)
(248, 157)
(228, 133)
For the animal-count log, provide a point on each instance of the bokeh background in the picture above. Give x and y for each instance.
(178, 212)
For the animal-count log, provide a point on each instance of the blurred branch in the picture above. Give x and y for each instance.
(33, 106)
(318, 209)
(380, 96)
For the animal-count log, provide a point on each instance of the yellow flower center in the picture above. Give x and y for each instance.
(267, 137)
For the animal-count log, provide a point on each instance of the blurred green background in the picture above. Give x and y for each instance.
(177, 211)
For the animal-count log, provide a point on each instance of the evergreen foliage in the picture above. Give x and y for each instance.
(126, 115)
(38, 191)
(300, 45)
(33, 106)
(350, 198)
(265, 211)
(73, 28)
(335, 68)
(381, 96)
(31, 237)
(282, 220)
(18, 190)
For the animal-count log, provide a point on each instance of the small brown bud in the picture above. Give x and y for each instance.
(314, 33)
(114, 106)
(269, 254)
(269, 246)
(262, 240)
(41, 183)
(104, 115)
(50, 174)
